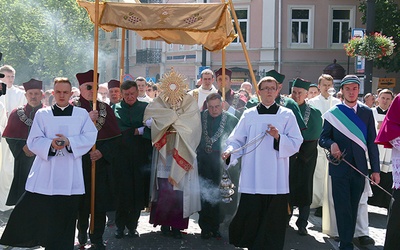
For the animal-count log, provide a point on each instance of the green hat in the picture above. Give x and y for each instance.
(301, 83)
(278, 77)
(314, 85)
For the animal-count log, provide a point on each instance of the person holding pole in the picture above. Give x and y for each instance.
(106, 145)
(46, 214)
(232, 103)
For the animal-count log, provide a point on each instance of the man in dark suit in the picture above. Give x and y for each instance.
(349, 132)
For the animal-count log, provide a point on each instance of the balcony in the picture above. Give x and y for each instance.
(148, 56)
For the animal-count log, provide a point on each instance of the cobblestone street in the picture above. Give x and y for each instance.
(151, 237)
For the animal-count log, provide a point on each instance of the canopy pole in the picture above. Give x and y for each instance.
(122, 57)
(223, 74)
(95, 86)
(246, 54)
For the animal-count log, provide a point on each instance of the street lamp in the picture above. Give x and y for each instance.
(369, 64)
(348, 57)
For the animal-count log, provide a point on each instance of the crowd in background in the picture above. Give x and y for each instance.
(164, 147)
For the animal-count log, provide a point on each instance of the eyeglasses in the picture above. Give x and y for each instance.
(89, 87)
(268, 89)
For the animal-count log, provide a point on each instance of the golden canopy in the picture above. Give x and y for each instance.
(207, 24)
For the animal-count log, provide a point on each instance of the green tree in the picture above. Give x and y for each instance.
(44, 39)
(387, 20)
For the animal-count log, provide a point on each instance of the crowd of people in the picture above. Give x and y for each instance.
(86, 156)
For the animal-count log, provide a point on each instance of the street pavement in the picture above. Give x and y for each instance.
(151, 237)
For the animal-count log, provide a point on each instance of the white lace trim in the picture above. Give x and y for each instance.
(396, 173)
(396, 143)
(396, 162)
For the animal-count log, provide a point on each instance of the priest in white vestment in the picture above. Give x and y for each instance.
(175, 133)
(265, 137)
(200, 94)
(13, 99)
(324, 101)
(380, 198)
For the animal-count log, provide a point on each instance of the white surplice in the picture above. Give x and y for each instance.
(60, 174)
(321, 168)
(385, 154)
(201, 94)
(265, 170)
(14, 98)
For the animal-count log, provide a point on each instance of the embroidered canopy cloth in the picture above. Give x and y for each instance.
(207, 24)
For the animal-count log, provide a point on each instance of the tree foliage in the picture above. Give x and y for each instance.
(387, 21)
(44, 39)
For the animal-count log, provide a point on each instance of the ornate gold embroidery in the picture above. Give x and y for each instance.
(164, 15)
(132, 18)
(194, 18)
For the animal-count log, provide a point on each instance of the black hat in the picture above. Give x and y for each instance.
(227, 72)
(86, 77)
(32, 84)
(113, 84)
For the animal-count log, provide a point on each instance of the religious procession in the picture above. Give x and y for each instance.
(280, 157)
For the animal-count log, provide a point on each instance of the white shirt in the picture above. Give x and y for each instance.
(264, 169)
(145, 98)
(13, 99)
(202, 95)
(322, 103)
(60, 174)
(3, 118)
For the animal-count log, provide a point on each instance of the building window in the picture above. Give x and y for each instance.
(170, 47)
(340, 26)
(300, 23)
(242, 16)
(181, 46)
(341, 19)
(301, 26)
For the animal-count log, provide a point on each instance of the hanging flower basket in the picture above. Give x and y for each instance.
(374, 46)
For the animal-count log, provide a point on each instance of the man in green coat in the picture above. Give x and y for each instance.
(133, 168)
(302, 164)
(217, 125)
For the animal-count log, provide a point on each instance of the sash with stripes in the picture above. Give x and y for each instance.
(348, 123)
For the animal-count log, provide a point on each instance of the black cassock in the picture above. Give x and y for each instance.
(22, 166)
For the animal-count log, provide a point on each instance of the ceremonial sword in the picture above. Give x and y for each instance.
(336, 161)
